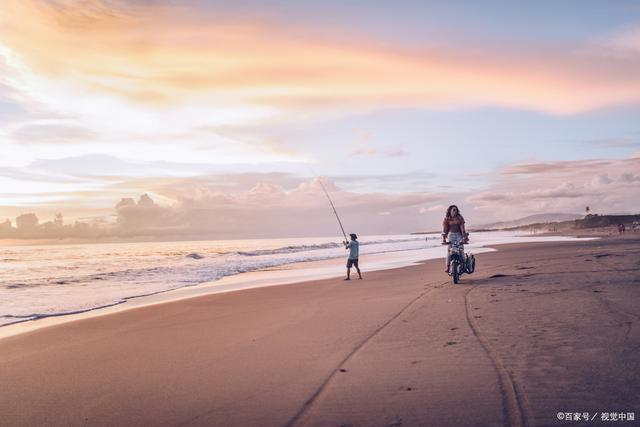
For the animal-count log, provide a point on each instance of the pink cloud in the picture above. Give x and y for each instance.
(607, 186)
(194, 208)
(624, 42)
(269, 210)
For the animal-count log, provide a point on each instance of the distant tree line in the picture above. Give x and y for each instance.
(28, 226)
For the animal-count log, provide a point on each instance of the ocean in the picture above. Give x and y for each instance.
(55, 280)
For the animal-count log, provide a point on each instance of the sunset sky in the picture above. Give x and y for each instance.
(223, 113)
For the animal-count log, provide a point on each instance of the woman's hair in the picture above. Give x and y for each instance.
(449, 211)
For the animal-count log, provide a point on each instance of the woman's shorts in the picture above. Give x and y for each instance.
(352, 263)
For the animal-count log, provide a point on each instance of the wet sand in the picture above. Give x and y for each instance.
(540, 328)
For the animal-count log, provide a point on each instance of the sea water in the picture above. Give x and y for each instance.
(54, 280)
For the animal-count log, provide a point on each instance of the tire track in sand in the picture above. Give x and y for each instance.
(298, 418)
(515, 407)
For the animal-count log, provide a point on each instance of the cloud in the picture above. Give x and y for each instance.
(606, 185)
(145, 217)
(51, 133)
(280, 204)
(200, 186)
(614, 142)
(398, 182)
(396, 151)
(555, 167)
(164, 54)
(625, 42)
(628, 177)
(564, 190)
(265, 210)
(602, 179)
(435, 208)
(279, 147)
(269, 210)
(365, 145)
(488, 198)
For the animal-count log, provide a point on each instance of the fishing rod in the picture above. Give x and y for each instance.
(334, 209)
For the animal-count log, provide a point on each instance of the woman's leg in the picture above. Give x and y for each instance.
(453, 238)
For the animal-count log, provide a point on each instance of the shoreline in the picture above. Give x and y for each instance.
(286, 274)
(538, 329)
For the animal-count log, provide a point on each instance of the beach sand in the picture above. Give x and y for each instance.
(540, 328)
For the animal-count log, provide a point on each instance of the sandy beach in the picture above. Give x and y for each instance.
(540, 328)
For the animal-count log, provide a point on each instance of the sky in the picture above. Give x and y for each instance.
(221, 119)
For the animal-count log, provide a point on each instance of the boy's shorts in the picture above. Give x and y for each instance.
(352, 263)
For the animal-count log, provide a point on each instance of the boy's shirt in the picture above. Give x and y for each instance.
(354, 249)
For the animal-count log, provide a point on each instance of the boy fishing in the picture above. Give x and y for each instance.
(354, 251)
(353, 245)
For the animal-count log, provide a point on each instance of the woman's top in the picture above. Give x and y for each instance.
(453, 225)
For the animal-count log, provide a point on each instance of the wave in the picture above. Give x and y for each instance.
(194, 255)
(35, 316)
(330, 245)
(289, 249)
(144, 280)
(378, 242)
(210, 270)
(210, 275)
